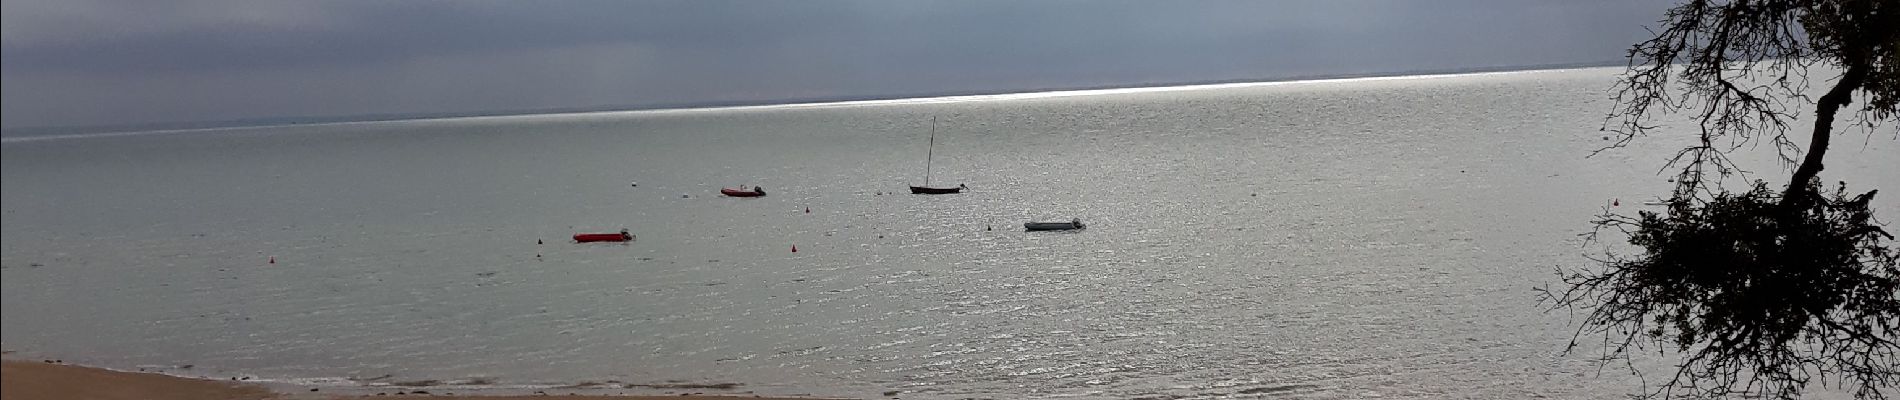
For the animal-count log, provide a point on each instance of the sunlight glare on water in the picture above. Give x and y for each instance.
(1338, 239)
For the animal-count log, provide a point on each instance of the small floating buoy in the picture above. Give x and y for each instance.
(808, 209)
(537, 241)
(1615, 203)
(794, 248)
(634, 184)
(273, 259)
(988, 228)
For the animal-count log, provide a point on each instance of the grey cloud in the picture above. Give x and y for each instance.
(100, 62)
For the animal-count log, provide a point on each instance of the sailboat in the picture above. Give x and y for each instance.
(928, 156)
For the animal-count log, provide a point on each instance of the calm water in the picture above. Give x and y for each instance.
(1319, 240)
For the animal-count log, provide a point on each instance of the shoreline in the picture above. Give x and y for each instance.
(32, 380)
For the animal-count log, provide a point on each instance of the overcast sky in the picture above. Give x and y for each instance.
(105, 62)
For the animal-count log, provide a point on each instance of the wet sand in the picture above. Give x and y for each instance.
(26, 380)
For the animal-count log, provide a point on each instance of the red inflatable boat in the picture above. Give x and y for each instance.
(623, 236)
(741, 192)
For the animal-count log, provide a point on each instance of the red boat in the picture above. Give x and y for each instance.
(742, 192)
(623, 236)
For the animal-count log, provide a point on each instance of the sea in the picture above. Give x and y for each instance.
(1331, 239)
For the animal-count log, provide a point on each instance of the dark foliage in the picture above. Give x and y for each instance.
(1757, 301)
(1763, 292)
(1740, 68)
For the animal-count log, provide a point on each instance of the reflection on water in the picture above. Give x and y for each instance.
(1316, 240)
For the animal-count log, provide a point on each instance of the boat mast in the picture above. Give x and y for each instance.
(932, 152)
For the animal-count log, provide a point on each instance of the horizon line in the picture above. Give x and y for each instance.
(928, 99)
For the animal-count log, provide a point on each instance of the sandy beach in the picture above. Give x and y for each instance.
(27, 380)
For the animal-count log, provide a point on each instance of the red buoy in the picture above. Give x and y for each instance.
(794, 248)
(273, 259)
(1615, 203)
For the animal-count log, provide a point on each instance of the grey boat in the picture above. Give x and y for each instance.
(1054, 226)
